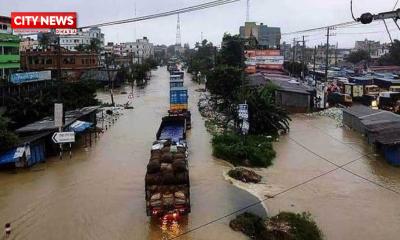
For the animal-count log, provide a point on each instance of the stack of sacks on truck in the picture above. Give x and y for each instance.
(167, 169)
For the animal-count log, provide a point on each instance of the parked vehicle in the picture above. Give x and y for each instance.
(389, 101)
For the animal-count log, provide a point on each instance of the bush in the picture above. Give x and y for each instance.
(256, 151)
(284, 226)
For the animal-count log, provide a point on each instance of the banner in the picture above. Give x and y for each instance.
(263, 59)
(18, 78)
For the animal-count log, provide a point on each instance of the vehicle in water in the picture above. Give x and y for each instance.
(167, 184)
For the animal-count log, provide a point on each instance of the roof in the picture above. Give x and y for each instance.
(47, 124)
(99, 75)
(386, 125)
(256, 80)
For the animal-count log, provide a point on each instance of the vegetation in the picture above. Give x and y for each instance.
(202, 60)
(264, 115)
(284, 226)
(393, 57)
(7, 138)
(251, 150)
(244, 175)
(359, 56)
(26, 109)
(93, 47)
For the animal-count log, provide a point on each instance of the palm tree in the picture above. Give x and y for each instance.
(265, 116)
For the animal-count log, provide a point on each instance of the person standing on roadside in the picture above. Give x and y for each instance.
(7, 230)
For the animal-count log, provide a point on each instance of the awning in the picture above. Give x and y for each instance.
(80, 126)
(11, 156)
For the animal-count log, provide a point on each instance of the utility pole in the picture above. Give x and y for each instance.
(59, 69)
(327, 54)
(315, 56)
(302, 59)
(336, 54)
(294, 54)
(110, 82)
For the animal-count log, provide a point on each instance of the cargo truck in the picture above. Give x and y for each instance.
(167, 186)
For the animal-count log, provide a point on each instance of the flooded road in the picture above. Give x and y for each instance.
(99, 193)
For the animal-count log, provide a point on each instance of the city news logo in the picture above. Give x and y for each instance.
(63, 22)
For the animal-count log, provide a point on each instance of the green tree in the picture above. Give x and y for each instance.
(202, 59)
(393, 57)
(358, 56)
(225, 81)
(265, 116)
(232, 51)
(7, 138)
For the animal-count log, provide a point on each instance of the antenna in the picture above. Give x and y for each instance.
(178, 32)
(248, 11)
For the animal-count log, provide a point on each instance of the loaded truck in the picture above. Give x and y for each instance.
(167, 186)
(179, 104)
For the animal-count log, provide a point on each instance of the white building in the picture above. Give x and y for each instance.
(139, 50)
(70, 42)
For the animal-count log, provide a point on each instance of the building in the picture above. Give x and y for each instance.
(28, 44)
(72, 64)
(5, 25)
(140, 50)
(267, 37)
(72, 41)
(9, 55)
(374, 48)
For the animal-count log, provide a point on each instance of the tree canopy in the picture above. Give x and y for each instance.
(393, 57)
(358, 56)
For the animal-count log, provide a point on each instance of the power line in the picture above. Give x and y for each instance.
(164, 14)
(395, 5)
(337, 167)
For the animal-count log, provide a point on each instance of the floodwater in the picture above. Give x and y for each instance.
(99, 193)
(360, 200)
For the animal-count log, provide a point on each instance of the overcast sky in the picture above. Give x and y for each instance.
(290, 15)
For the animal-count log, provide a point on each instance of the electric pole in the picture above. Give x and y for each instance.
(302, 59)
(294, 54)
(315, 56)
(327, 54)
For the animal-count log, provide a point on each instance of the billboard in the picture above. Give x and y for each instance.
(263, 59)
(18, 78)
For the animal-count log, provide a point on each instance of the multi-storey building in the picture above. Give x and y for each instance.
(71, 63)
(267, 37)
(139, 50)
(9, 50)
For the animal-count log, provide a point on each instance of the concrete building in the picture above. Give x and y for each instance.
(140, 50)
(267, 37)
(9, 55)
(72, 63)
(71, 41)
(28, 44)
(5, 25)
(374, 48)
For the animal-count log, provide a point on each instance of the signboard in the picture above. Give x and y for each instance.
(63, 137)
(263, 59)
(245, 127)
(243, 111)
(58, 114)
(18, 78)
(66, 31)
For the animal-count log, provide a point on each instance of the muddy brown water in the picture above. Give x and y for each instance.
(99, 193)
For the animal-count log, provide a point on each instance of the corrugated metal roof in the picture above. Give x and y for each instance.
(47, 124)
